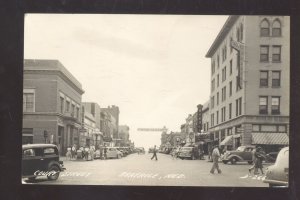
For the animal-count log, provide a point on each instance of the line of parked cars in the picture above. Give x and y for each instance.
(114, 152)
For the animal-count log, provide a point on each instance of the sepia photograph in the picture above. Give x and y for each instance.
(156, 100)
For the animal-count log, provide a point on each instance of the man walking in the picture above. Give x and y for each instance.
(215, 157)
(154, 153)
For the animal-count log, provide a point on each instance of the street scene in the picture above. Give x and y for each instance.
(156, 100)
(141, 170)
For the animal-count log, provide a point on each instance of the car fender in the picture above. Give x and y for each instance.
(234, 155)
(54, 163)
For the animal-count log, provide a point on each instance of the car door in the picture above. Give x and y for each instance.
(248, 153)
(31, 161)
(109, 152)
(49, 154)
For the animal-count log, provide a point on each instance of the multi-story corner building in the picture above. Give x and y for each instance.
(114, 112)
(87, 137)
(250, 73)
(51, 104)
(94, 109)
(124, 135)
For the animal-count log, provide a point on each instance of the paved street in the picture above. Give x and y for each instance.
(140, 170)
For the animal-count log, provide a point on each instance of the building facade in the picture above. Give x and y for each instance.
(51, 104)
(114, 113)
(92, 114)
(124, 135)
(250, 72)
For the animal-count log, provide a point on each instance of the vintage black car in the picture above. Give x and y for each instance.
(242, 153)
(41, 160)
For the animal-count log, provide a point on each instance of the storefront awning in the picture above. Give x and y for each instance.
(270, 138)
(227, 141)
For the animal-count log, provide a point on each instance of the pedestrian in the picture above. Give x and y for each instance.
(73, 151)
(253, 161)
(154, 153)
(258, 161)
(105, 152)
(69, 154)
(215, 157)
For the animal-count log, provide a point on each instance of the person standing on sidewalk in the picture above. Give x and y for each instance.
(215, 157)
(154, 153)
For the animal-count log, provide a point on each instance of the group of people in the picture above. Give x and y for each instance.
(257, 158)
(85, 153)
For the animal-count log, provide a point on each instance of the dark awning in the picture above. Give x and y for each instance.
(227, 141)
(270, 138)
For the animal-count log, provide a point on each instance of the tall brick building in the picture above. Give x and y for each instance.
(51, 104)
(250, 70)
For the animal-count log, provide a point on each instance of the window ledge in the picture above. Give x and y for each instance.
(276, 87)
(264, 61)
(275, 61)
(263, 86)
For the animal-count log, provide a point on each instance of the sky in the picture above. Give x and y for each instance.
(153, 67)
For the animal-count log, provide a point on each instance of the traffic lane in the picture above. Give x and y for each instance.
(140, 170)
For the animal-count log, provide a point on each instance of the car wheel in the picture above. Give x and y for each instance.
(233, 160)
(225, 161)
(250, 162)
(55, 176)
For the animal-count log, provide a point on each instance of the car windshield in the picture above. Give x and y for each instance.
(240, 149)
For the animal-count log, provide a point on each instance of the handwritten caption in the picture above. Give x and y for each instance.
(140, 175)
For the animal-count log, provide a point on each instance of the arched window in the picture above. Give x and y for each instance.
(276, 28)
(265, 28)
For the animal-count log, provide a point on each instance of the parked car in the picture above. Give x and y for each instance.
(140, 150)
(41, 160)
(278, 174)
(123, 150)
(187, 152)
(113, 152)
(150, 150)
(242, 153)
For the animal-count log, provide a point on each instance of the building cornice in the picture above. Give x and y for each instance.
(222, 34)
(52, 67)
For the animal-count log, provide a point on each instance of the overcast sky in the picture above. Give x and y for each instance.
(152, 66)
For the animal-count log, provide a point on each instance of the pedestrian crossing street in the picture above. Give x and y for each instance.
(254, 177)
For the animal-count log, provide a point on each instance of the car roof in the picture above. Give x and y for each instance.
(28, 146)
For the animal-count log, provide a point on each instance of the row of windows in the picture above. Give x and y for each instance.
(265, 28)
(224, 76)
(263, 108)
(239, 38)
(223, 95)
(238, 112)
(67, 106)
(264, 53)
(264, 78)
